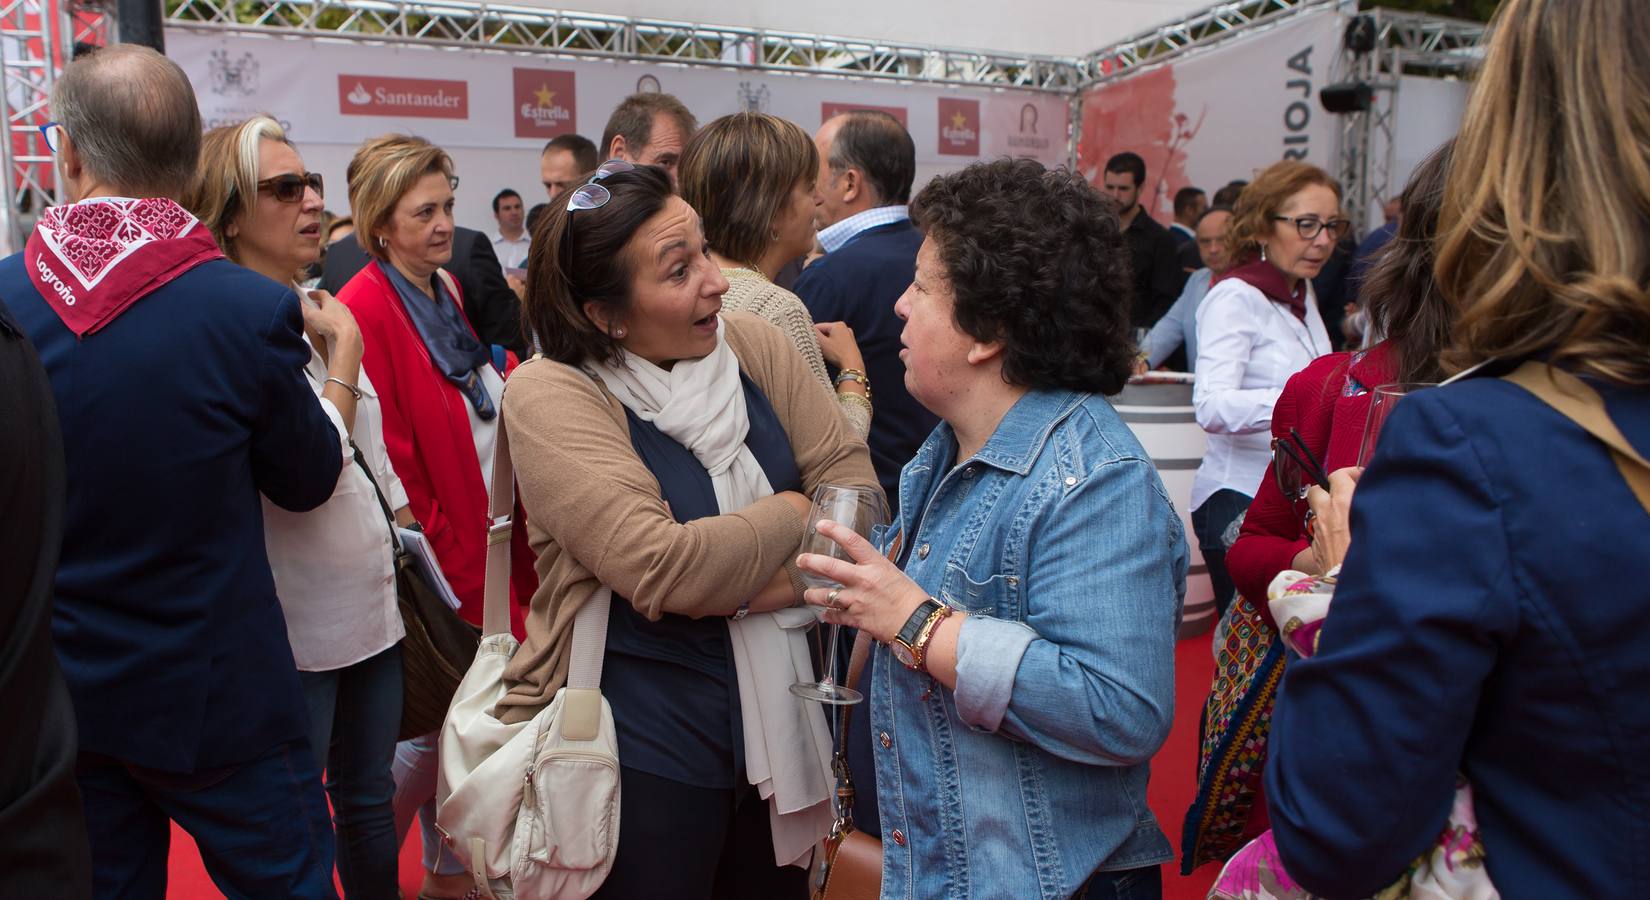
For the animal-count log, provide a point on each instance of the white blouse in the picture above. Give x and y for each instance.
(334, 565)
(1247, 347)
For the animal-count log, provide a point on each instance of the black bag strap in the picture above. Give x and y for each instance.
(383, 503)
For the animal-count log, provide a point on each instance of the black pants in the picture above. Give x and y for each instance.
(682, 842)
(1210, 522)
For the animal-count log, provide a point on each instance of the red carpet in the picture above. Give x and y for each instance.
(1170, 793)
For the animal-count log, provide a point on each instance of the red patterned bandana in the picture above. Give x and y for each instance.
(94, 259)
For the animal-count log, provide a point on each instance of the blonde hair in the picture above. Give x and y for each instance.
(738, 172)
(383, 170)
(1544, 234)
(228, 174)
(1260, 201)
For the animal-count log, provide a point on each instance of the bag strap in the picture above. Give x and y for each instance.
(452, 286)
(839, 756)
(589, 623)
(383, 503)
(1577, 401)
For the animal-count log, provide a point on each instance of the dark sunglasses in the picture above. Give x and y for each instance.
(592, 195)
(1310, 226)
(289, 188)
(1295, 467)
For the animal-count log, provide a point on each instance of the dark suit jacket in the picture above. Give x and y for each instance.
(43, 852)
(175, 416)
(858, 284)
(492, 308)
(1158, 275)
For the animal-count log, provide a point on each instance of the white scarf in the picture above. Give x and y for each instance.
(700, 404)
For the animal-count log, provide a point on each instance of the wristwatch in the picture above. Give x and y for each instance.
(910, 646)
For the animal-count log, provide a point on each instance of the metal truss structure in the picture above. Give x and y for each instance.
(36, 37)
(1211, 26)
(481, 25)
(1405, 43)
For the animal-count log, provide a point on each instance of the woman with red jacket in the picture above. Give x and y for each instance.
(1326, 403)
(440, 397)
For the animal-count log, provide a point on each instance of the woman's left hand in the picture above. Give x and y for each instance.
(875, 597)
(1332, 517)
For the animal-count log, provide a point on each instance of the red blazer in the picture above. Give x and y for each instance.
(1314, 401)
(427, 435)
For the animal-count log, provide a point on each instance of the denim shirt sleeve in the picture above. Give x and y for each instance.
(1089, 676)
(1367, 735)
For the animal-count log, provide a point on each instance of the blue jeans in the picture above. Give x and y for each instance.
(261, 826)
(415, 775)
(1210, 522)
(354, 713)
(1144, 883)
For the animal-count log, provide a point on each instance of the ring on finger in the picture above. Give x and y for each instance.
(830, 599)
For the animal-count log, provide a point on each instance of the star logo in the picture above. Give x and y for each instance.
(546, 97)
(958, 120)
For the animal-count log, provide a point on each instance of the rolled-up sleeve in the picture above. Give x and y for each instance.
(1227, 331)
(1090, 675)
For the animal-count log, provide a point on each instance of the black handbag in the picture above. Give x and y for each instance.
(439, 645)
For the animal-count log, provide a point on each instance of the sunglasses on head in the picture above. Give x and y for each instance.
(592, 195)
(289, 188)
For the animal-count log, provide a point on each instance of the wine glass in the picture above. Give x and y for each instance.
(1381, 403)
(860, 509)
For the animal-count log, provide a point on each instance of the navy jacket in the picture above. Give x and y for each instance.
(859, 284)
(175, 416)
(1492, 618)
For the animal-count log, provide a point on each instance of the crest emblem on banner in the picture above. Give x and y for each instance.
(751, 99)
(233, 76)
(545, 103)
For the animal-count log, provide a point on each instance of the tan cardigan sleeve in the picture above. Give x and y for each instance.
(825, 449)
(581, 482)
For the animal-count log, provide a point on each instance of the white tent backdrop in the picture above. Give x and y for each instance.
(493, 111)
(1046, 27)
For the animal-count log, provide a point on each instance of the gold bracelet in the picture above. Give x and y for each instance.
(854, 375)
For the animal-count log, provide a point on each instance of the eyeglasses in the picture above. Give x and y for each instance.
(52, 132)
(289, 188)
(591, 195)
(1309, 226)
(1295, 467)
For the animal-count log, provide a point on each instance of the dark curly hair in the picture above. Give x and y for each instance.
(1036, 260)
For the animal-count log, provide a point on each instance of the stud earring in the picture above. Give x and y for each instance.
(618, 333)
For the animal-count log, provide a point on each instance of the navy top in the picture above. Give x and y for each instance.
(1492, 618)
(859, 284)
(671, 683)
(175, 416)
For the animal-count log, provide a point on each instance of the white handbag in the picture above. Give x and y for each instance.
(532, 809)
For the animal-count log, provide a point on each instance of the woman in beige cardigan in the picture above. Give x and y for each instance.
(668, 452)
(751, 176)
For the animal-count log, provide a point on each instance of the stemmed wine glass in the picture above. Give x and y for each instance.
(1381, 403)
(857, 508)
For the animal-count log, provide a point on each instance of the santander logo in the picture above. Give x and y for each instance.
(422, 98)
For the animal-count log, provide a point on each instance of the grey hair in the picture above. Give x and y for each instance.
(132, 117)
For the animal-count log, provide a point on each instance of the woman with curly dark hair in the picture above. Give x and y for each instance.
(1027, 600)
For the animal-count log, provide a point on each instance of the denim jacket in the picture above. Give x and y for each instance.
(1059, 541)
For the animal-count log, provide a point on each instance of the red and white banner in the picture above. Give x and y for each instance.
(460, 98)
(1221, 114)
